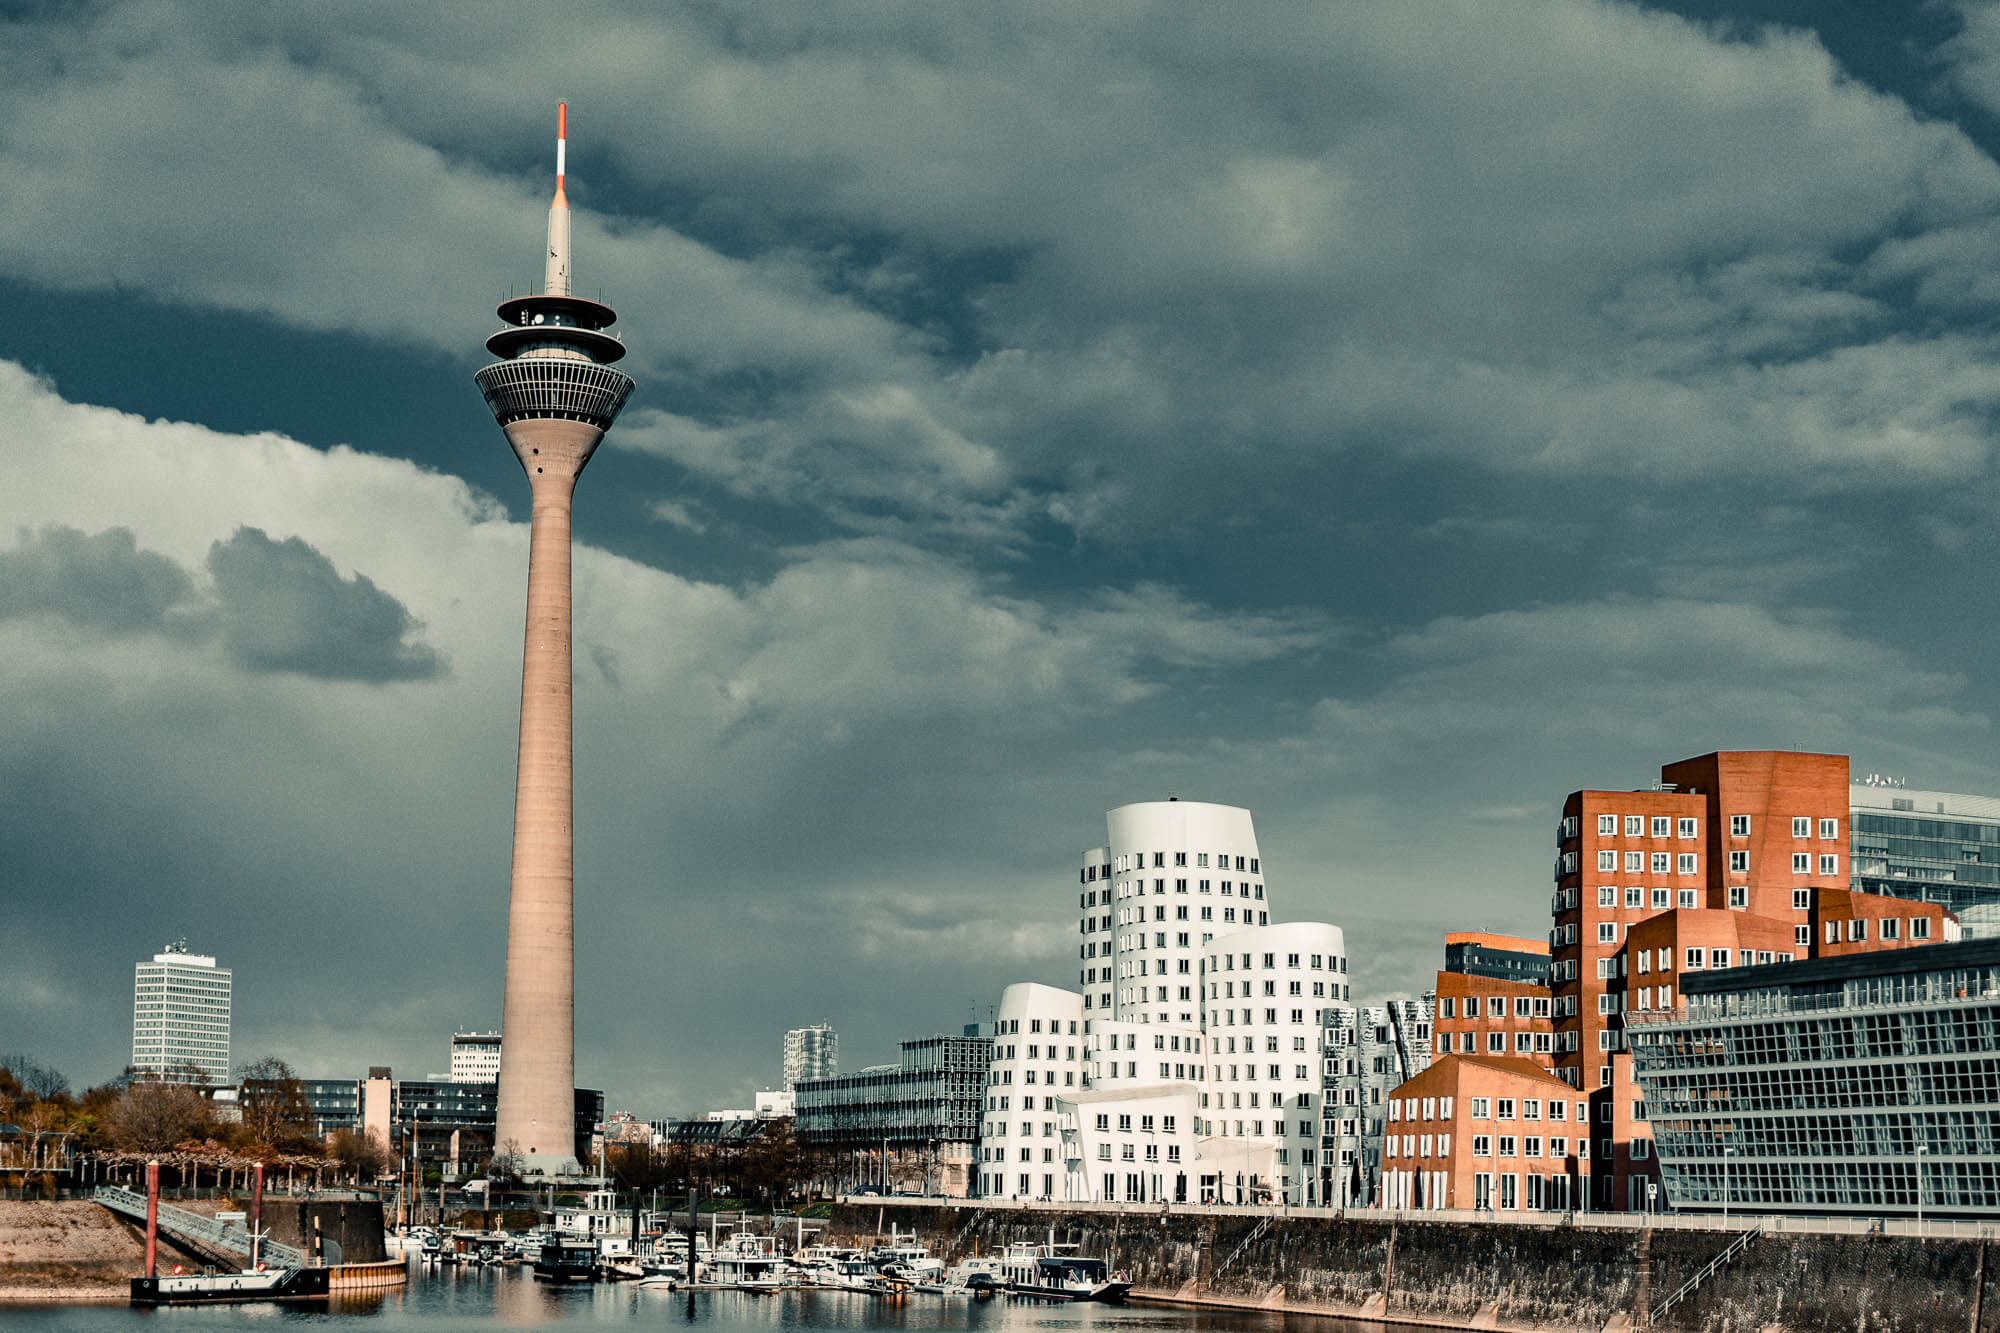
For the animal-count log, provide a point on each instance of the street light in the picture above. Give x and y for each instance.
(1727, 1153)
(1922, 1148)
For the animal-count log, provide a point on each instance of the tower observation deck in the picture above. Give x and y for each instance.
(554, 393)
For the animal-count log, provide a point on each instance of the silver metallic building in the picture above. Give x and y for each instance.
(1864, 1084)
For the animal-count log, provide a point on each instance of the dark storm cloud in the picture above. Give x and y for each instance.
(284, 607)
(99, 581)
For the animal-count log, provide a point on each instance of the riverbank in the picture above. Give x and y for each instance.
(68, 1251)
(1461, 1275)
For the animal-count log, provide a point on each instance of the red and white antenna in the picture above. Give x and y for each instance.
(556, 279)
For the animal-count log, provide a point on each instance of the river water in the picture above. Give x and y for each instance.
(453, 1299)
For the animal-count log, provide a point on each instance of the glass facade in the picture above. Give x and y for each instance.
(1938, 847)
(1861, 1084)
(937, 1093)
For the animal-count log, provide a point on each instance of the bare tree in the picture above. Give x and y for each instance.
(274, 1104)
(38, 1081)
(153, 1117)
(358, 1153)
(504, 1167)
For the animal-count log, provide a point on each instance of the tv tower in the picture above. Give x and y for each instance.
(554, 393)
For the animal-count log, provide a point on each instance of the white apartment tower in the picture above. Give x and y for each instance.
(475, 1057)
(180, 1018)
(811, 1052)
(1172, 876)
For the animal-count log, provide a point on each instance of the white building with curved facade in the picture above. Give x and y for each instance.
(1265, 991)
(1171, 875)
(1188, 1068)
(1038, 1061)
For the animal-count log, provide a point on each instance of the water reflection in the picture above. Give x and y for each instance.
(444, 1301)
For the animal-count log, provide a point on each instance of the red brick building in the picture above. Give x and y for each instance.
(1738, 851)
(1476, 1131)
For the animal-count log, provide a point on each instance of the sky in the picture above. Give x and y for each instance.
(1386, 417)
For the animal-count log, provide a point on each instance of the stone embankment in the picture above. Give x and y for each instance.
(1490, 1275)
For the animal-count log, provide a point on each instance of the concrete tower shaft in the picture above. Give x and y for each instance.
(554, 394)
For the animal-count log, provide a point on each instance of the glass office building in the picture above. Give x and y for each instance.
(1864, 1084)
(1934, 846)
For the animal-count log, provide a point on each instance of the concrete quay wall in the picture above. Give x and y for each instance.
(1490, 1275)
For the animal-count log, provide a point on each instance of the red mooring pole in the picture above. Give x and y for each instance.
(256, 1211)
(152, 1219)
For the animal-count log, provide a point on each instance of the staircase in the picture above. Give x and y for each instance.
(1708, 1270)
(195, 1229)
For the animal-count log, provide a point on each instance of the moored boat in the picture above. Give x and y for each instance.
(250, 1284)
(1047, 1273)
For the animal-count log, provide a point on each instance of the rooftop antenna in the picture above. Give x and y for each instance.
(556, 279)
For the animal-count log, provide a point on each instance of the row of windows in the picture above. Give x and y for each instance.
(1525, 1043)
(1525, 1006)
(1663, 863)
(1137, 861)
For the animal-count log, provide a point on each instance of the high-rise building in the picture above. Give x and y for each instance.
(811, 1052)
(180, 1017)
(475, 1057)
(554, 393)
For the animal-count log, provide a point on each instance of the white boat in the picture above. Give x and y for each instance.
(851, 1275)
(974, 1277)
(747, 1262)
(1046, 1272)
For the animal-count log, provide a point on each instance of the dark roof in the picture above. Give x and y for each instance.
(1818, 971)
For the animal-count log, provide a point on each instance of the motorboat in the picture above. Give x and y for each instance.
(568, 1260)
(1047, 1272)
(748, 1262)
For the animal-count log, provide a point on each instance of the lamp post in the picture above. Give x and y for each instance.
(1922, 1148)
(1727, 1153)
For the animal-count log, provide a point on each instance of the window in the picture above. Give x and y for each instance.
(1739, 863)
(1180, 858)
(1503, 1108)
(1687, 899)
(1695, 956)
(1739, 826)
(1635, 863)
(1802, 937)
(1739, 895)
(1496, 1043)
(1641, 1149)
(1829, 863)
(1482, 1145)
(1506, 1146)
(1607, 860)
(1829, 829)
(1635, 897)
(1635, 826)
(1920, 927)
(1662, 862)
(1889, 924)
(1607, 932)
(1801, 828)
(1607, 825)
(1607, 895)
(1801, 863)
(1685, 863)
(1496, 1007)
(1660, 897)
(1662, 826)
(1801, 900)
(1645, 961)
(1480, 1106)
(1685, 828)
(1857, 928)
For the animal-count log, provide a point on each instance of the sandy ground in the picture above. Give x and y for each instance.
(66, 1251)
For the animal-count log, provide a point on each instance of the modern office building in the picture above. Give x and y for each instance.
(1935, 846)
(554, 393)
(924, 1111)
(811, 1053)
(475, 1057)
(1481, 953)
(180, 1018)
(1863, 1083)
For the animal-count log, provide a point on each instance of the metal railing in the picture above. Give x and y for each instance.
(196, 1227)
(1937, 1228)
(1729, 1251)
